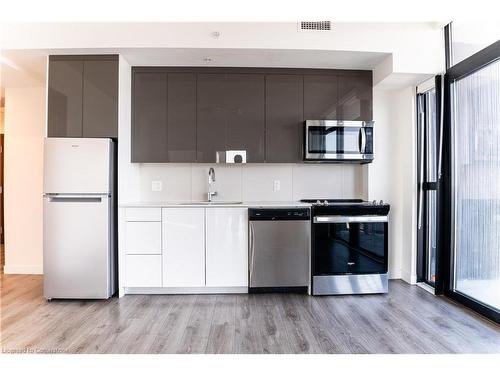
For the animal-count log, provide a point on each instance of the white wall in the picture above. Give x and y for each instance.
(128, 173)
(392, 177)
(24, 133)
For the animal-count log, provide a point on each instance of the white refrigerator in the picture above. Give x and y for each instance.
(79, 223)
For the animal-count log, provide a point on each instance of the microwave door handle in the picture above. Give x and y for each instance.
(362, 140)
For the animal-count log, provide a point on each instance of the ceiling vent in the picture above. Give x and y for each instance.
(315, 25)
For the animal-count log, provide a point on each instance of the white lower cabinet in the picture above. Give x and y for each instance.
(226, 247)
(143, 270)
(186, 247)
(183, 232)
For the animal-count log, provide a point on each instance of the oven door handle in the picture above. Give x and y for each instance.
(350, 219)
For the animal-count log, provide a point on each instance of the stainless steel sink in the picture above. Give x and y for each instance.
(213, 203)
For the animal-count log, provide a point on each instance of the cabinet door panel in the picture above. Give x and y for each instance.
(149, 127)
(320, 97)
(143, 271)
(284, 118)
(211, 117)
(245, 124)
(227, 247)
(143, 237)
(64, 112)
(183, 247)
(100, 98)
(181, 107)
(355, 97)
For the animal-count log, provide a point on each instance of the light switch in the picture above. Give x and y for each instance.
(156, 186)
(277, 185)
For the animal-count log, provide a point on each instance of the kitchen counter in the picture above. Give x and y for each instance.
(228, 204)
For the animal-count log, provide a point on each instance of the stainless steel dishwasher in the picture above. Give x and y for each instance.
(279, 249)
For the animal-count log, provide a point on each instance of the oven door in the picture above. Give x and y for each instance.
(338, 140)
(346, 245)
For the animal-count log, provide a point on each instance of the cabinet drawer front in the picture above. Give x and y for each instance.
(143, 214)
(143, 237)
(143, 271)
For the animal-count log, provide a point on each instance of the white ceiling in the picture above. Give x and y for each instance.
(289, 58)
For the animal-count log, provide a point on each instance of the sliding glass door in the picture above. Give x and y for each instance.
(475, 117)
(472, 183)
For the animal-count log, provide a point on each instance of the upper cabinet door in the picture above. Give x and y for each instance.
(355, 96)
(149, 126)
(64, 113)
(211, 116)
(100, 98)
(245, 118)
(320, 97)
(284, 118)
(181, 114)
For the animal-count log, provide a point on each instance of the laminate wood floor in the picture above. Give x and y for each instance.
(407, 320)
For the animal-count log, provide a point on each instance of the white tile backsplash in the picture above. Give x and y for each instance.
(252, 182)
(258, 182)
(317, 181)
(175, 179)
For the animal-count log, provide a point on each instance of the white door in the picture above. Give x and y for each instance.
(183, 247)
(77, 165)
(76, 247)
(227, 247)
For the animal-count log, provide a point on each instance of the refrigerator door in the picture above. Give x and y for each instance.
(77, 165)
(77, 248)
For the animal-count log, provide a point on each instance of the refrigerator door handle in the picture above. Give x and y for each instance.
(75, 198)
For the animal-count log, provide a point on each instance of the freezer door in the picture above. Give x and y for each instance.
(77, 165)
(76, 247)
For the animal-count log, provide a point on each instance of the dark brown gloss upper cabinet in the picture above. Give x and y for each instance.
(355, 96)
(320, 97)
(284, 118)
(149, 126)
(181, 117)
(100, 98)
(64, 111)
(230, 115)
(245, 118)
(164, 121)
(83, 96)
(211, 116)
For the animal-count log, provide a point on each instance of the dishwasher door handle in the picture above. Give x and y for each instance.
(252, 250)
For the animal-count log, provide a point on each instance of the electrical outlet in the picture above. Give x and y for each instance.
(276, 185)
(156, 186)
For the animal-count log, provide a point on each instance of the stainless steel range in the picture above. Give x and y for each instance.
(349, 246)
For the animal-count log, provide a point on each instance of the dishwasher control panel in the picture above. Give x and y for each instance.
(264, 214)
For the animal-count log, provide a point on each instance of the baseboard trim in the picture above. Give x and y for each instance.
(19, 269)
(188, 290)
(395, 274)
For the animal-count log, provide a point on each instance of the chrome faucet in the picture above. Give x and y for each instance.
(211, 182)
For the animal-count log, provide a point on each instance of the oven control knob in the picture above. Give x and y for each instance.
(374, 202)
(381, 202)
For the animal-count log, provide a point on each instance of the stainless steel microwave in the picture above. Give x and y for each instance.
(338, 141)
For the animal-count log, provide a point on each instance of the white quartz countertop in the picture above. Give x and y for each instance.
(219, 204)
